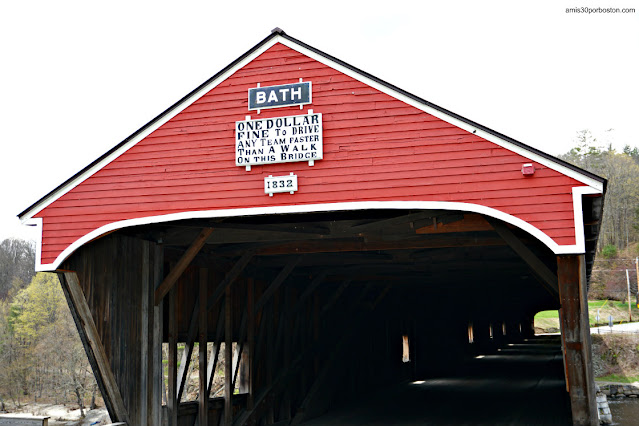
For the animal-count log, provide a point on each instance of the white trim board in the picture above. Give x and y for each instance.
(50, 198)
(577, 248)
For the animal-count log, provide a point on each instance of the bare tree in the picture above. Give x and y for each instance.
(17, 262)
(620, 221)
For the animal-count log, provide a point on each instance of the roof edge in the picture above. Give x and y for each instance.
(450, 113)
(277, 32)
(154, 120)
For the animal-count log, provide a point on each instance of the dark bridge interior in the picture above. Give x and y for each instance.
(337, 318)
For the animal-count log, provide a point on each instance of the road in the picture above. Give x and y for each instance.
(629, 327)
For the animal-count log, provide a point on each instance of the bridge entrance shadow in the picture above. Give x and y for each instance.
(521, 383)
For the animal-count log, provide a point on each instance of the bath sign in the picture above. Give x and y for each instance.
(280, 96)
(278, 140)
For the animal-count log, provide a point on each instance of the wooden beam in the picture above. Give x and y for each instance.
(230, 277)
(157, 368)
(285, 406)
(187, 353)
(237, 356)
(228, 358)
(393, 221)
(335, 297)
(172, 403)
(309, 405)
(310, 289)
(182, 264)
(270, 356)
(359, 244)
(145, 335)
(94, 347)
(262, 333)
(281, 277)
(575, 330)
(289, 228)
(264, 400)
(203, 402)
(212, 365)
(537, 266)
(470, 223)
(250, 342)
(240, 346)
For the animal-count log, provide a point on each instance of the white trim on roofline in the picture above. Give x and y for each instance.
(446, 117)
(577, 248)
(47, 200)
(37, 222)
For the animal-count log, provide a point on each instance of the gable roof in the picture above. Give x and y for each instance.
(277, 35)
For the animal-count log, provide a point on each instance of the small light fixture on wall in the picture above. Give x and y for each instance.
(528, 169)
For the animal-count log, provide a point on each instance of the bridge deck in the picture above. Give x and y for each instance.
(520, 384)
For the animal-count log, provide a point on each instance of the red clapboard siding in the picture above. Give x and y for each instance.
(376, 148)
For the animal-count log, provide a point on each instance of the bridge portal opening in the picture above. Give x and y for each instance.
(315, 307)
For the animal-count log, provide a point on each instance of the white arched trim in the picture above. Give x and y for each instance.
(578, 248)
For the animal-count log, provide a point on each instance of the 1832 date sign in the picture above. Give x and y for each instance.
(277, 184)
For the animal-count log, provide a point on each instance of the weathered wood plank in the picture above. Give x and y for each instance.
(250, 343)
(185, 360)
(310, 289)
(575, 329)
(358, 244)
(310, 403)
(182, 264)
(146, 336)
(172, 403)
(281, 277)
(15, 420)
(230, 277)
(228, 358)
(537, 266)
(111, 389)
(470, 223)
(203, 341)
(157, 368)
(394, 221)
(219, 335)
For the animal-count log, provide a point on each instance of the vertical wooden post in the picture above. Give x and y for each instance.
(172, 402)
(157, 368)
(575, 330)
(316, 309)
(203, 355)
(285, 412)
(146, 323)
(269, 354)
(228, 359)
(250, 344)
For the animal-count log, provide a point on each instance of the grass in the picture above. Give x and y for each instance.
(618, 310)
(618, 379)
(547, 314)
(549, 320)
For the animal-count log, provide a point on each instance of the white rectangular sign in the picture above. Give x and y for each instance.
(277, 184)
(278, 140)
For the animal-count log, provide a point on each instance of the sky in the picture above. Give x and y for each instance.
(77, 77)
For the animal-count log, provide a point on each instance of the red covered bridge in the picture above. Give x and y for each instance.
(307, 217)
